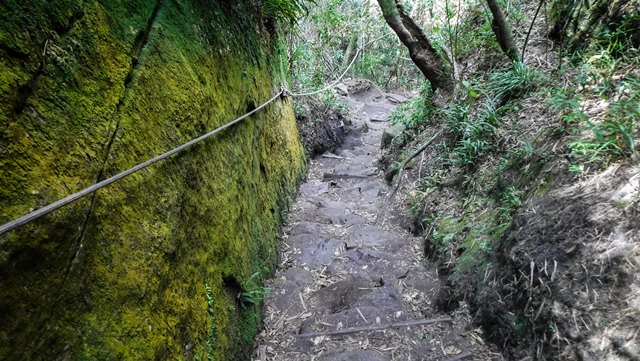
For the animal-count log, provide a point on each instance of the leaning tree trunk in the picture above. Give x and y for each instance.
(502, 31)
(421, 52)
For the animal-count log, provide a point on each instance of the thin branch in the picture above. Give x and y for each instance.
(404, 164)
(337, 176)
(526, 39)
(460, 357)
(369, 328)
(332, 156)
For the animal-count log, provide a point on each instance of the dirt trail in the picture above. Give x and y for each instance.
(343, 267)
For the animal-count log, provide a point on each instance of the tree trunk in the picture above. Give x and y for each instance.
(351, 51)
(574, 22)
(421, 52)
(602, 13)
(502, 31)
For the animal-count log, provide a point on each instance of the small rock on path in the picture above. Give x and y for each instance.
(347, 263)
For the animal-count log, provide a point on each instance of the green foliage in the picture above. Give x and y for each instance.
(570, 109)
(620, 38)
(517, 81)
(331, 101)
(472, 33)
(456, 117)
(213, 329)
(516, 157)
(375, 66)
(446, 34)
(593, 151)
(317, 57)
(330, 37)
(510, 201)
(598, 71)
(253, 294)
(417, 112)
(615, 137)
(469, 150)
(254, 297)
(416, 198)
(623, 119)
(300, 110)
(442, 239)
(513, 11)
(473, 136)
(288, 11)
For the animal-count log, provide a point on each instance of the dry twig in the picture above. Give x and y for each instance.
(348, 331)
(404, 164)
(461, 356)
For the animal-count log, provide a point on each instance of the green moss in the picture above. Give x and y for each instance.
(131, 283)
(474, 235)
(479, 242)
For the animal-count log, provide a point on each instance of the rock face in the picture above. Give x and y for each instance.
(341, 89)
(153, 266)
(391, 133)
(396, 98)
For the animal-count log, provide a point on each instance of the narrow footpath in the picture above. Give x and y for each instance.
(353, 285)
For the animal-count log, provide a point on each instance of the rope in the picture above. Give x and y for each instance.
(296, 95)
(74, 197)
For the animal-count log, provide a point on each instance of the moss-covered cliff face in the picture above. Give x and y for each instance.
(151, 267)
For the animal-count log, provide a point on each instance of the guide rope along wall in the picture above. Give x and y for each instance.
(7, 227)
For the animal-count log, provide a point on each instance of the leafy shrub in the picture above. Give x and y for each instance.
(615, 137)
(253, 294)
(468, 150)
(476, 33)
(415, 114)
(331, 102)
(620, 38)
(455, 119)
(510, 201)
(474, 137)
(443, 239)
(213, 329)
(570, 109)
(623, 121)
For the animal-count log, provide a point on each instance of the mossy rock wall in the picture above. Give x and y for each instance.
(152, 266)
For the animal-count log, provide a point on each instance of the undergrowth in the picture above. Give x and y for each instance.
(417, 112)
(213, 329)
(517, 81)
(286, 11)
(253, 293)
(511, 136)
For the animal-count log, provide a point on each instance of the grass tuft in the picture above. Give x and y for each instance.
(515, 82)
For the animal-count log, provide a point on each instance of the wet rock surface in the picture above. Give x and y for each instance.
(353, 283)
